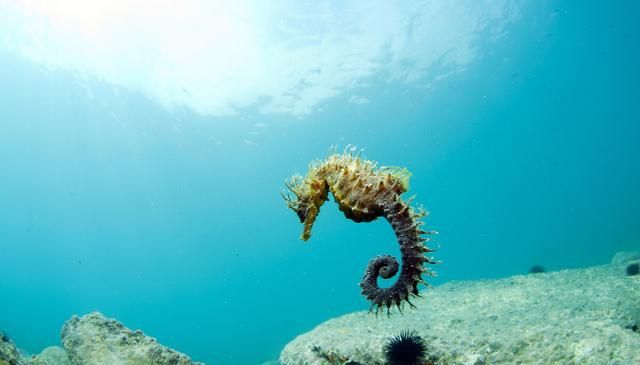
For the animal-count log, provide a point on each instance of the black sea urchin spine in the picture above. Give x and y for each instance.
(407, 229)
(406, 348)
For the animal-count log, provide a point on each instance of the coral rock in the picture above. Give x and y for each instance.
(96, 340)
(9, 354)
(53, 355)
(625, 257)
(587, 316)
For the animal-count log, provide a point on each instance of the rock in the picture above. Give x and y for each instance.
(625, 257)
(9, 354)
(53, 355)
(96, 340)
(587, 316)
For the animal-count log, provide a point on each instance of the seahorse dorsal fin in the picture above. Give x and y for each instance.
(402, 174)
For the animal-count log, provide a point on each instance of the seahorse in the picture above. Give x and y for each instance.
(365, 192)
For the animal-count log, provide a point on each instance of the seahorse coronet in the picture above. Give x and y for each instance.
(365, 192)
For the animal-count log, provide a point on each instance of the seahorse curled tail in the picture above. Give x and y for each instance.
(406, 225)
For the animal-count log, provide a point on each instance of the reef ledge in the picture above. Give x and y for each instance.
(580, 316)
(94, 339)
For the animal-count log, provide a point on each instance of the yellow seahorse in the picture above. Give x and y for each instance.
(365, 192)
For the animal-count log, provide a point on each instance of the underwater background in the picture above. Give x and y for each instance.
(148, 189)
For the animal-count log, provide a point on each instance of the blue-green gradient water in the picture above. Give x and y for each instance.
(170, 218)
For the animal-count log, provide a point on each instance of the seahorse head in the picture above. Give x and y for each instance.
(306, 200)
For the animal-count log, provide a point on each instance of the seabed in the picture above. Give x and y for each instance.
(580, 316)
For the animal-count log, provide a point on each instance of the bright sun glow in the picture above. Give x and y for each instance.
(217, 57)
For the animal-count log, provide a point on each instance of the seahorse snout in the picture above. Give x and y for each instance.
(311, 212)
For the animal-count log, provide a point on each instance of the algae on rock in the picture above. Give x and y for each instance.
(9, 354)
(96, 340)
(53, 355)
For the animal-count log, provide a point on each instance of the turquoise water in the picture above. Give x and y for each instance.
(170, 218)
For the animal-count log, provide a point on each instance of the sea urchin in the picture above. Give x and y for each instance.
(406, 348)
